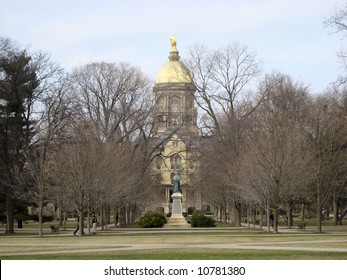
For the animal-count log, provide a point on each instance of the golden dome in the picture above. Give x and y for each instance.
(173, 71)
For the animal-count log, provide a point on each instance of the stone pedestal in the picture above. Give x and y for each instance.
(177, 220)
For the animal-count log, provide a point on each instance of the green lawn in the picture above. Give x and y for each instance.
(149, 244)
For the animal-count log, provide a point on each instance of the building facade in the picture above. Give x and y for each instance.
(175, 136)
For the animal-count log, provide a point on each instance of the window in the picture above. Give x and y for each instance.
(189, 102)
(175, 161)
(161, 102)
(161, 118)
(175, 106)
(175, 120)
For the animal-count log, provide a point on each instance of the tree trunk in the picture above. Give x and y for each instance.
(102, 217)
(81, 223)
(108, 215)
(248, 216)
(335, 208)
(60, 215)
(225, 214)
(88, 220)
(342, 215)
(40, 211)
(121, 216)
(9, 215)
(127, 214)
(64, 221)
(289, 216)
(81, 214)
(261, 218)
(268, 218)
(237, 215)
(319, 210)
(234, 215)
(116, 216)
(237, 218)
(303, 212)
(275, 226)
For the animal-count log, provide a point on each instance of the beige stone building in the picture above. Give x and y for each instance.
(175, 136)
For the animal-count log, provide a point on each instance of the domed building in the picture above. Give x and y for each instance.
(175, 135)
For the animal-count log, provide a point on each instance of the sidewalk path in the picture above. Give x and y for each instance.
(247, 246)
(339, 245)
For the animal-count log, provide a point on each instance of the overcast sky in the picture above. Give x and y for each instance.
(288, 35)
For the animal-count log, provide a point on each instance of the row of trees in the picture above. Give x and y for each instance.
(78, 139)
(282, 149)
(82, 139)
(272, 148)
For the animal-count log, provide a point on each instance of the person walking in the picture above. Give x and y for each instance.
(78, 225)
(117, 220)
(272, 217)
(95, 223)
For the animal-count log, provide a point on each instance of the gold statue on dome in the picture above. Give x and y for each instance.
(173, 42)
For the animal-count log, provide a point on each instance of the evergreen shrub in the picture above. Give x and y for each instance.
(152, 220)
(199, 220)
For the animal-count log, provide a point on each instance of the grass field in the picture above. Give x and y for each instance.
(151, 244)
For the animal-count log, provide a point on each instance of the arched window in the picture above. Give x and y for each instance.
(161, 102)
(175, 105)
(189, 102)
(175, 161)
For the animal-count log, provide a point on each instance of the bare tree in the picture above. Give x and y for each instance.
(221, 78)
(275, 166)
(115, 97)
(338, 22)
(38, 158)
(76, 168)
(327, 138)
(290, 100)
(115, 101)
(340, 186)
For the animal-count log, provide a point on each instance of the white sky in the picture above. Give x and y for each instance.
(287, 35)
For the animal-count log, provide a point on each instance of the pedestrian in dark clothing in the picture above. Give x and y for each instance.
(117, 219)
(272, 219)
(95, 222)
(78, 226)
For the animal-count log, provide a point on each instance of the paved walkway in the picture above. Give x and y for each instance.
(127, 247)
(294, 229)
(59, 248)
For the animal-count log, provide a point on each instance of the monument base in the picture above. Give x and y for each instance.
(177, 220)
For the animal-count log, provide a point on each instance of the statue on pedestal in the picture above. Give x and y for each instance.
(176, 178)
